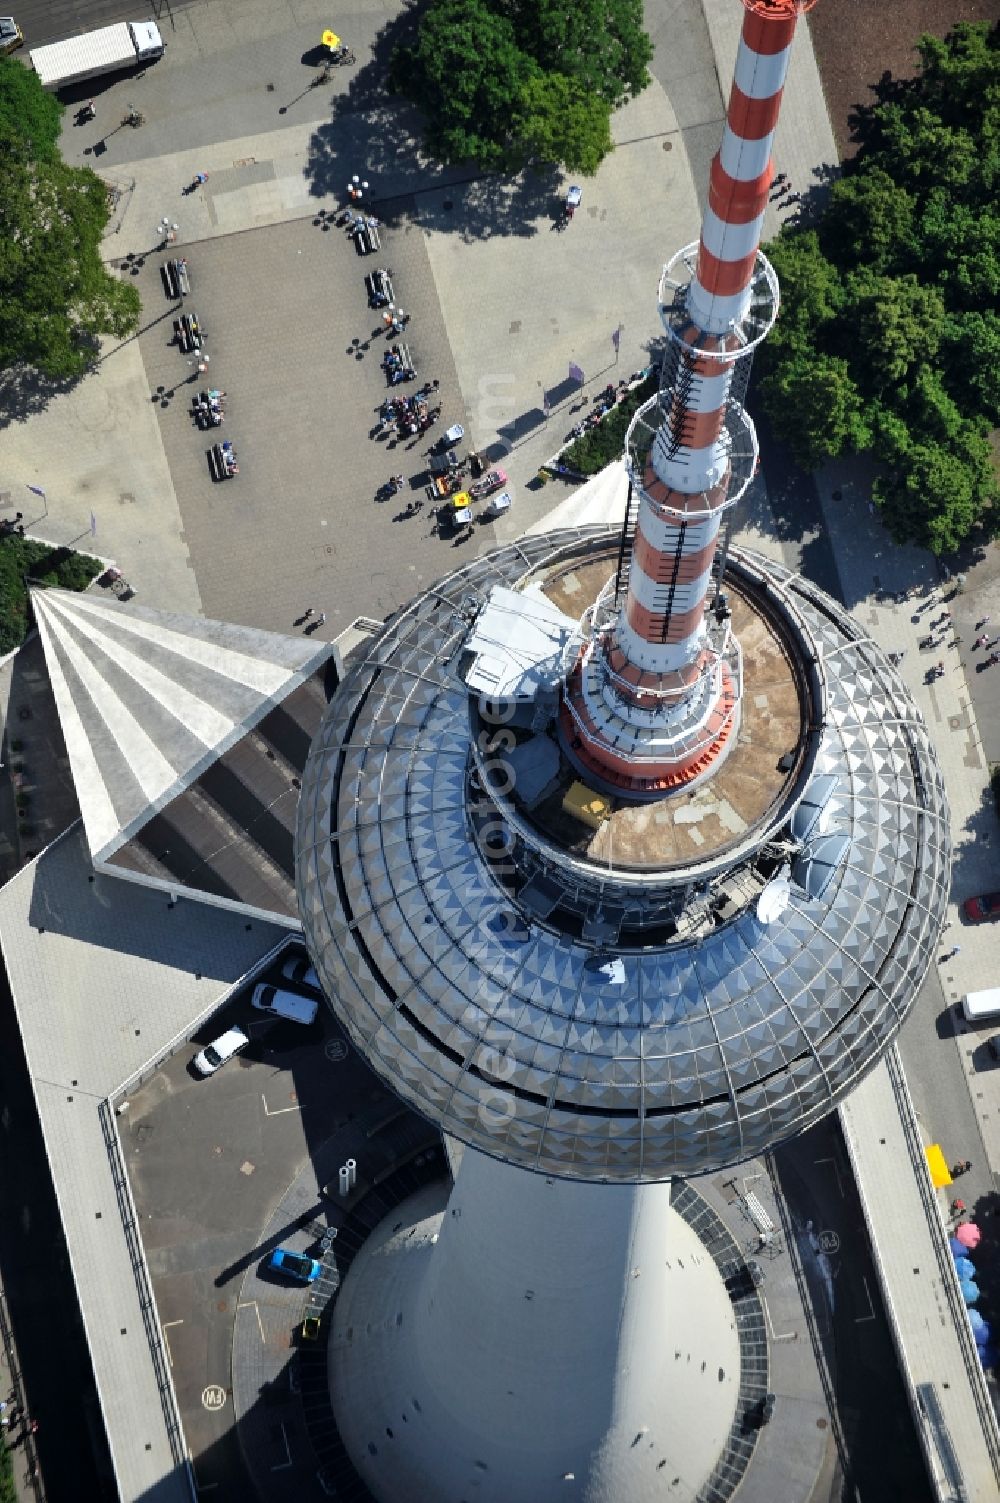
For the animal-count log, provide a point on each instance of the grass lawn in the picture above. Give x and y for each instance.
(25, 561)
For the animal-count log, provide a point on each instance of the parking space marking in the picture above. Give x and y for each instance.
(776, 1335)
(860, 1319)
(283, 1466)
(836, 1170)
(164, 1327)
(251, 1304)
(279, 1110)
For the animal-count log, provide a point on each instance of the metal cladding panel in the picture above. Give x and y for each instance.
(686, 1056)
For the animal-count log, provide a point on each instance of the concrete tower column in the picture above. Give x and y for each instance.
(534, 1342)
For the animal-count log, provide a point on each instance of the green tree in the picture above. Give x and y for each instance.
(868, 209)
(971, 359)
(816, 408)
(900, 324)
(599, 43)
(888, 339)
(27, 113)
(467, 74)
(934, 495)
(558, 121)
(506, 82)
(56, 297)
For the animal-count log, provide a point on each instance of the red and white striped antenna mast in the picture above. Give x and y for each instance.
(652, 698)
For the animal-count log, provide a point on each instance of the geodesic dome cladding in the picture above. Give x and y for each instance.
(680, 1057)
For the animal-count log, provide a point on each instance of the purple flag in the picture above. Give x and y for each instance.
(575, 373)
(93, 525)
(616, 338)
(37, 490)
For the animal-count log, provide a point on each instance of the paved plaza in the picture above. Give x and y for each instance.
(293, 343)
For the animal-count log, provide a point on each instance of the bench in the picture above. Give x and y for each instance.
(366, 239)
(175, 278)
(217, 463)
(189, 333)
(379, 285)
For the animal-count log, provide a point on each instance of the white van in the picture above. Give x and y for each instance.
(208, 1060)
(299, 971)
(979, 1006)
(284, 1004)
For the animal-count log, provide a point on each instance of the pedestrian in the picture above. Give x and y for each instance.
(950, 954)
(982, 641)
(966, 1166)
(956, 1170)
(321, 618)
(201, 178)
(984, 622)
(307, 613)
(958, 1208)
(33, 1427)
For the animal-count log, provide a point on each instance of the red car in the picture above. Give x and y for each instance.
(980, 910)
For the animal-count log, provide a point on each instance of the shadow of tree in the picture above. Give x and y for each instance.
(24, 393)
(863, 122)
(380, 132)
(975, 844)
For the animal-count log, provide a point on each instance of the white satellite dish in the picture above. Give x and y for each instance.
(774, 900)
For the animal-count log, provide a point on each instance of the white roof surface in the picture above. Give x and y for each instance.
(518, 641)
(148, 699)
(103, 977)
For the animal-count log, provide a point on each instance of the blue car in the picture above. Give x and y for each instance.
(295, 1265)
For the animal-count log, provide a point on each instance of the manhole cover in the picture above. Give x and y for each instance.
(668, 146)
(957, 722)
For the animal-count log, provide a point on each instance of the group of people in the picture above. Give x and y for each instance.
(228, 455)
(209, 408)
(396, 365)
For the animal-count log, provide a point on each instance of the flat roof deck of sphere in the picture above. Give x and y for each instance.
(686, 827)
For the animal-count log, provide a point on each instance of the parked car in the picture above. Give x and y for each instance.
(983, 908)
(208, 1060)
(284, 1004)
(300, 971)
(294, 1265)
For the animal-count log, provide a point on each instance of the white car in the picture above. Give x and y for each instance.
(300, 971)
(284, 1004)
(208, 1060)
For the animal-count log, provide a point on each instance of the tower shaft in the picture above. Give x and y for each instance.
(538, 1340)
(656, 700)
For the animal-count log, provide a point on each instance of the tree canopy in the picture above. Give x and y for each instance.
(888, 338)
(56, 297)
(508, 82)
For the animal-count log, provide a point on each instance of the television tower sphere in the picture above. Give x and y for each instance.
(589, 986)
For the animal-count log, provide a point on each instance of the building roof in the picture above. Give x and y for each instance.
(517, 645)
(104, 976)
(148, 699)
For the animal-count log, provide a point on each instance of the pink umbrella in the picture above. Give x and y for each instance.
(968, 1234)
